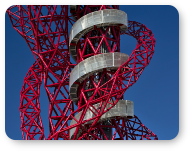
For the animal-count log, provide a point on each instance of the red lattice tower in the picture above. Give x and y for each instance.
(96, 92)
(45, 29)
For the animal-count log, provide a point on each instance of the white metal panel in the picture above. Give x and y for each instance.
(123, 108)
(91, 65)
(101, 18)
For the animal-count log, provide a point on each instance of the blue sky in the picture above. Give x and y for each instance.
(155, 94)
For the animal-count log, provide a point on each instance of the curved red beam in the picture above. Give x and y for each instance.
(47, 38)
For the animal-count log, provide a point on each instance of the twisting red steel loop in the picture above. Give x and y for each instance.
(85, 99)
(45, 29)
(98, 82)
(31, 122)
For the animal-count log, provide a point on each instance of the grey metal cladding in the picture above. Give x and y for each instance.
(123, 108)
(94, 64)
(101, 18)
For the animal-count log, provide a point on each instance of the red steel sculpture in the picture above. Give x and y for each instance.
(85, 99)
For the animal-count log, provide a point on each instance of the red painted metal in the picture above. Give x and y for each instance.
(118, 81)
(31, 122)
(94, 40)
(85, 9)
(45, 29)
(124, 129)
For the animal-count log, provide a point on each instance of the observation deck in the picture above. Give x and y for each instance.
(124, 108)
(92, 65)
(107, 17)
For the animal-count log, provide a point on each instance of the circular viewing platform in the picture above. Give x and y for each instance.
(107, 17)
